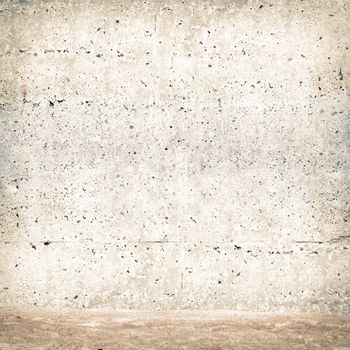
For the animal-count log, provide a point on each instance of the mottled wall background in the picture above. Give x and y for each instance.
(175, 154)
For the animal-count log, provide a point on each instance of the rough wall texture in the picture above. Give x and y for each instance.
(172, 154)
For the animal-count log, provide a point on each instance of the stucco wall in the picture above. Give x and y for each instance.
(175, 154)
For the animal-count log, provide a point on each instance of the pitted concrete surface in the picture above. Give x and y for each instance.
(175, 154)
(101, 330)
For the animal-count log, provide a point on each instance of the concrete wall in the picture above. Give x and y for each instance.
(175, 154)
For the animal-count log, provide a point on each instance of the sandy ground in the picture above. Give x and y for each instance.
(85, 329)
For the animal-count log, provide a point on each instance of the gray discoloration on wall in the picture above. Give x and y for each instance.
(175, 154)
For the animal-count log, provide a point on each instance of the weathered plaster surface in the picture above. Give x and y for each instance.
(172, 154)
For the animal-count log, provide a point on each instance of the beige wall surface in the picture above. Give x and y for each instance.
(175, 154)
